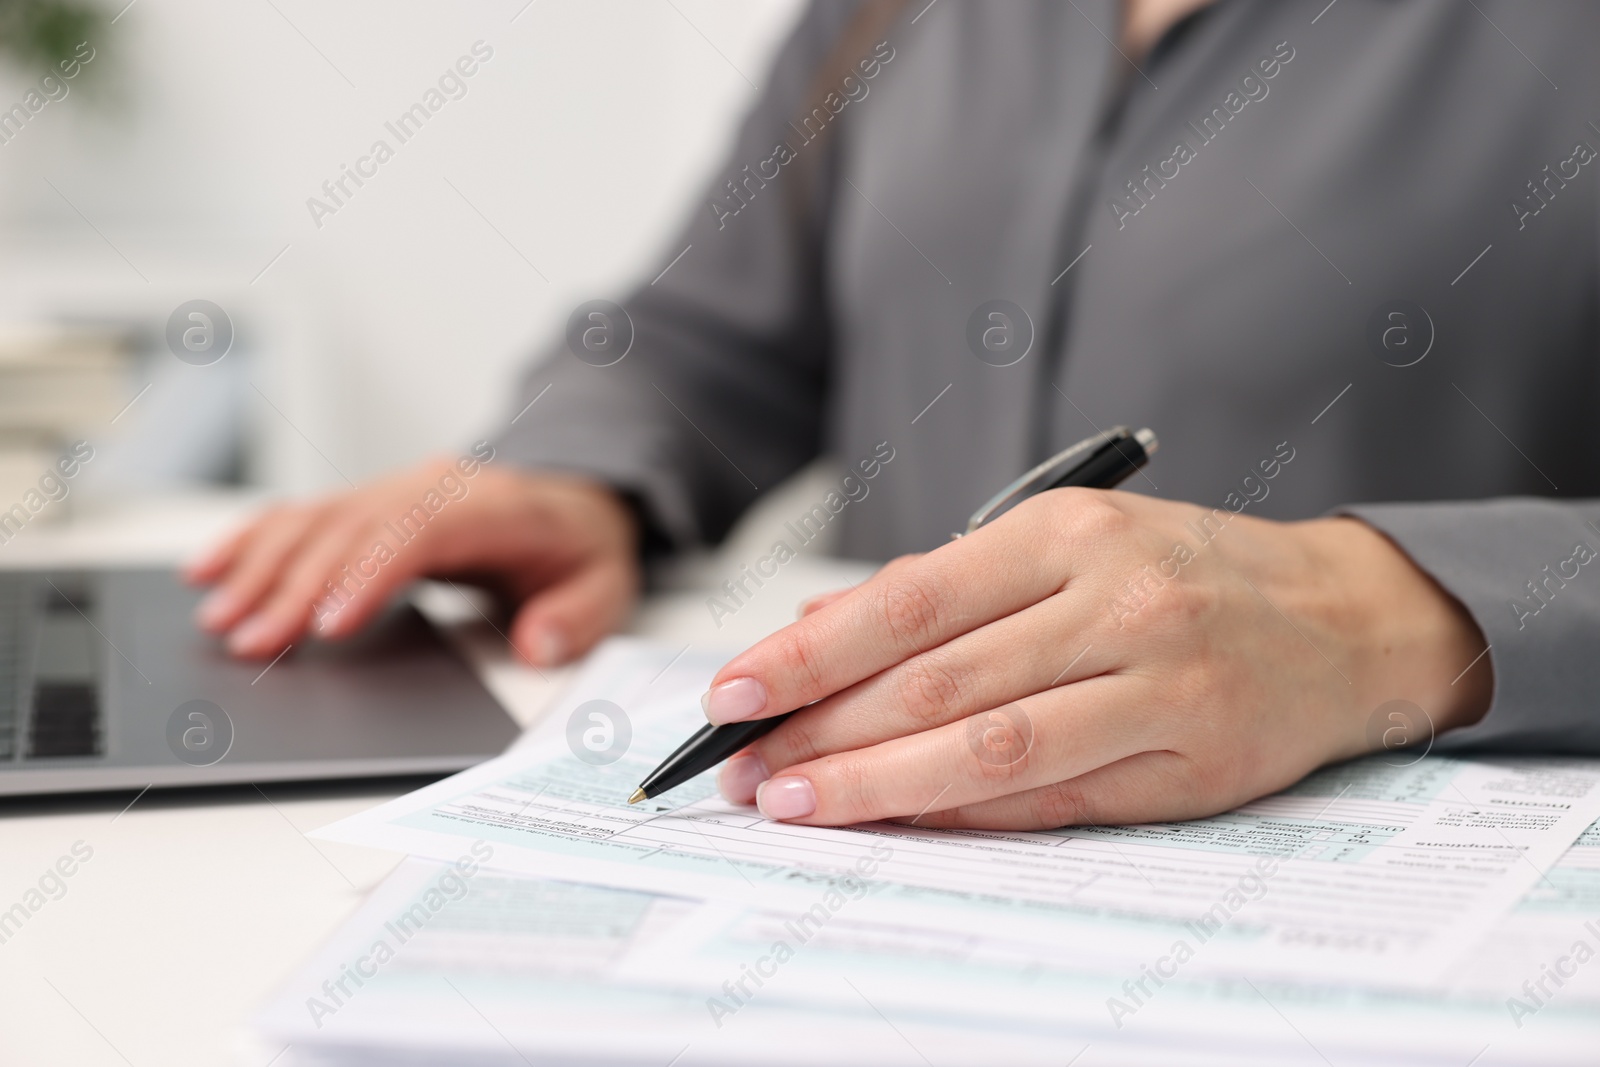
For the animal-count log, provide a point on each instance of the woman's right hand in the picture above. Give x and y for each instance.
(562, 549)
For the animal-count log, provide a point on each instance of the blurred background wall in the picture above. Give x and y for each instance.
(178, 167)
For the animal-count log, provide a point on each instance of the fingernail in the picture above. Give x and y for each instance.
(549, 648)
(250, 635)
(741, 776)
(734, 700)
(786, 798)
(215, 609)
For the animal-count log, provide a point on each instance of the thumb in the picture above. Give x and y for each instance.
(565, 620)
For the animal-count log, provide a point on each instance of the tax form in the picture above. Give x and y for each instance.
(1362, 868)
(508, 969)
(1485, 1017)
(517, 971)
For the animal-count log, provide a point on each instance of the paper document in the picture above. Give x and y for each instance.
(501, 970)
(460, 964)
(1358, 867)
(1534, 963)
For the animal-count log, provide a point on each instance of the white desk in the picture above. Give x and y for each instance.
(192, 910)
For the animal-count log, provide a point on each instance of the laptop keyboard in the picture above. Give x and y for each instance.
(49, 676)
(66, 720)
(11, 600)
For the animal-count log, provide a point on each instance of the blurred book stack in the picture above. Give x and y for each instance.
(59, 383)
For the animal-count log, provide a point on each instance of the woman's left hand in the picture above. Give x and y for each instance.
(1096, 657)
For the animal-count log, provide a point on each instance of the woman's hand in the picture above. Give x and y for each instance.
(1096, 657)
(563, 549)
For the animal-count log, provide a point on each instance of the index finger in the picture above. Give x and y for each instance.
(898, 613)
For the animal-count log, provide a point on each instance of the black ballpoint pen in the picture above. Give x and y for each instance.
(1101, 462)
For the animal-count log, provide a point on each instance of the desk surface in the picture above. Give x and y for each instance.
(194, 907)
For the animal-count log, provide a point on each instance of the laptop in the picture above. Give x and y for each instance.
(105, 684)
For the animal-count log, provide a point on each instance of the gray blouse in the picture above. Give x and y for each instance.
(1340, 257)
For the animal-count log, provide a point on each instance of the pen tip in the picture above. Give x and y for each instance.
(638, 795)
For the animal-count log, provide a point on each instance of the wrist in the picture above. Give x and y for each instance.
(1409, 638)
(611, 514)
(578, 515)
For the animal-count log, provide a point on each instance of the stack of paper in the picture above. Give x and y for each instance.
(1442, 912)
(59, 379)
(58, 383)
